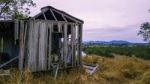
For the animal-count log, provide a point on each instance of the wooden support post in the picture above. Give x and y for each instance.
(33, 55)
(30, 45)
(65, 45)
(16, 30)
(72, 44)
(80, 44)
(77, 44)
(21, 42)
(24, 43)
(46, 48)
(38, 46)
(50, 26)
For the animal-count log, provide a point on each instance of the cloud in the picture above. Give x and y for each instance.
(128, 33)
(104, 19)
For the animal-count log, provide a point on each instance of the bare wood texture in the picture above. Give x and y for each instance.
(65, 45)
(3, 65)
(50, 44)
(80, 44)
(42, 47)
(16, 30)
(21, 54)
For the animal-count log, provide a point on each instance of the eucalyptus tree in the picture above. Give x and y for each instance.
(15, 8)
(145, 31)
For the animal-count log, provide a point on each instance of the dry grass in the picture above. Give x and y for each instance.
(118, 70)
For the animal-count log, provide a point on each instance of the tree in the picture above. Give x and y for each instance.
(145, 31)
(15, 8)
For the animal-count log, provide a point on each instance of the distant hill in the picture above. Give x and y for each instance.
(113, 42)
(107, 42)
(119, 42)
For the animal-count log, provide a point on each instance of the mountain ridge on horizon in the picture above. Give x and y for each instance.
(111, 42)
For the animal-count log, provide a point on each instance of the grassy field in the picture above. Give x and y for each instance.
(109, 51)
(117, 70)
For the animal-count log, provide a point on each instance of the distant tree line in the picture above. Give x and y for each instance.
(110, 51)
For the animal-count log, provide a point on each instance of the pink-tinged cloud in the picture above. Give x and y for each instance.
(105, 19)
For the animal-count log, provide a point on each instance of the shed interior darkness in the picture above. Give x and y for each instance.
(8, 46)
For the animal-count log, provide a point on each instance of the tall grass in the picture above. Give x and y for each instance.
(117, 70)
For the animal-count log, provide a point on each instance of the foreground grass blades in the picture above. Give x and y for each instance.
(117, 70)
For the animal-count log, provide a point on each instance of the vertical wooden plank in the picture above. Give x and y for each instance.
(80, 44)
(46, 47)
(40, 50)
(34, 40)
(42, 47)
(16, 30)
(65, 45)
(72, 43)
(32, 66)
(77, 44)
(38, 40)
(35, 45)
(25, 44)
(21, 45)
(23, 32)
(30, 45)
(50, 26)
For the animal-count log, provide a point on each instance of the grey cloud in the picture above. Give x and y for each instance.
(104, 19)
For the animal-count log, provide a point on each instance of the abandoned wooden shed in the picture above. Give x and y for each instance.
(49, 39)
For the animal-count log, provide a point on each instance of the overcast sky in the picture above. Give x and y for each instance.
(105, 20)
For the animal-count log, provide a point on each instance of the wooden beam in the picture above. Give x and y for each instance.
(50, 26)
(44, 16)
(21, 44)
(46, 48)
(80, 44)
(64, 18)
(24, 41)
(33, 55)
(73, 43)
(3, 65)
(65, 45)
(55, 22)
(16, 30)
(53, 14)
(67, 16)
